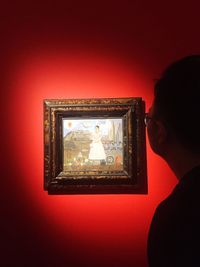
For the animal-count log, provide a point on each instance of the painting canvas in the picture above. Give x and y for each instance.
(94, 144)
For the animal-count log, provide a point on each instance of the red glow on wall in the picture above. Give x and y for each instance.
(97, 224)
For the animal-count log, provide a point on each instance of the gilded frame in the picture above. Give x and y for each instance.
(130, 179)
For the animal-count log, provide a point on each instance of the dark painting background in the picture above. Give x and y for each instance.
(80, 49)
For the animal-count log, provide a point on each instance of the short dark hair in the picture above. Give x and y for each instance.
(177, 100)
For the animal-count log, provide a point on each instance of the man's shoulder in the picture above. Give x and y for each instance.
(175, 228)
(182, 207)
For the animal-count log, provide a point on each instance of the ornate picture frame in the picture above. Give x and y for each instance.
(95, 146)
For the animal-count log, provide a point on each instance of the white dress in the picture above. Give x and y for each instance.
(96, 148)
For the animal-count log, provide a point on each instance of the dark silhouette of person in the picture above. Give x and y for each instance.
(174, 134)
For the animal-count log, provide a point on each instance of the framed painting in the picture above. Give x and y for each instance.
(95, 146)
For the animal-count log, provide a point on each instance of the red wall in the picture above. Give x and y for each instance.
(80, 50)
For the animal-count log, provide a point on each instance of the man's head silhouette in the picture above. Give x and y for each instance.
(173, 120)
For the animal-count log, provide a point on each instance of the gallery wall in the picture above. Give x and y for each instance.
(80, 50)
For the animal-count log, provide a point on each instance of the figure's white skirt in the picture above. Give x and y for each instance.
(97, 151)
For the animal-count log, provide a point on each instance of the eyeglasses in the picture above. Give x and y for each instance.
(147, 118)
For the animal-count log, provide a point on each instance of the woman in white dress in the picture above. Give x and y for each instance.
(97, 152)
